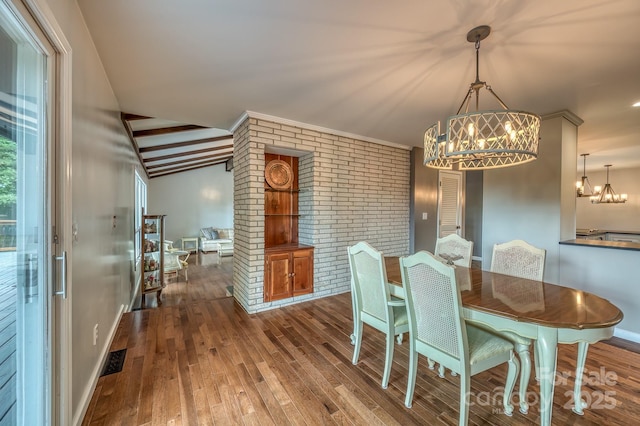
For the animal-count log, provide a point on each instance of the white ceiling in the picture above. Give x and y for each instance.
(380, 69)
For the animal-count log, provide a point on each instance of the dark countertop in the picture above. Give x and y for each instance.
(622, 245)
(583, 232)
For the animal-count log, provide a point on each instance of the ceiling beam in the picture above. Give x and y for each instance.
(185, 143)
(167, 130)
(194, 161)
(127, 128)
(183, 154)
(179, 169)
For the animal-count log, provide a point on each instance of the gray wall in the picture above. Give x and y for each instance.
(102, 170)
(424, 199)
(617, 217)
(526, 201)
(473, 210)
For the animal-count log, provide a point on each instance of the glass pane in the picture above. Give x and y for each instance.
(23, 222)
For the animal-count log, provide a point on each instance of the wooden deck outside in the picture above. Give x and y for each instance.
(7, 336)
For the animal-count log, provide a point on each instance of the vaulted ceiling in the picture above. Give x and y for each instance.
(379, 69)
(165, 147)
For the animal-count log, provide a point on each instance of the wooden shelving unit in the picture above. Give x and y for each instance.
(152, 256)
(288, 265)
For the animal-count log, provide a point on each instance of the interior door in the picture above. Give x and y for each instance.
(27, 220)
(450, 203)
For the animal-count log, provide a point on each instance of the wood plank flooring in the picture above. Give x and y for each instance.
(200, 360)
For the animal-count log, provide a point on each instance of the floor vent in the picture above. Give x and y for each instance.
(115, 361)
(229, 290)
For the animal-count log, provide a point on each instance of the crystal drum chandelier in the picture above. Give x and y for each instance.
(607, 194)
(583, 187)
(482, 139)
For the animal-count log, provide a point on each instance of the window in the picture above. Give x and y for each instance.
(140, 209)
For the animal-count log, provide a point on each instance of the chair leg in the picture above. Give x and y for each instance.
(525, 375)
(399, 338)
(536, 359)
(512, 374)
(465, 389)
(357, 340)
(388, 359)
(412, 372)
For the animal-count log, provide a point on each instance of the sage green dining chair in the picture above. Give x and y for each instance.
(372, 303)
(520, 259)
(456, 249)
(438, 330)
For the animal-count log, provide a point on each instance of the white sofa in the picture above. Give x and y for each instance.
(216, 239)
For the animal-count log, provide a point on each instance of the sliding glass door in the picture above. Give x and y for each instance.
(27, 244)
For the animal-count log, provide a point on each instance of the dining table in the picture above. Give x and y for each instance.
(549, 314)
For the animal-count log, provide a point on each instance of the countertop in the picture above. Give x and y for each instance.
(584, 232)
(622, 245)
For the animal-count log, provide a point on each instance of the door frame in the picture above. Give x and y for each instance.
(59, 145)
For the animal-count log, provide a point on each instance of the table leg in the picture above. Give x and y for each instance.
(578, 403)
(548, 346)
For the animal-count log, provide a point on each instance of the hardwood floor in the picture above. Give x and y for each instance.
(201, 359)
(209, 277)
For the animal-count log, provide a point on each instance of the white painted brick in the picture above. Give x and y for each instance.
(358, 191)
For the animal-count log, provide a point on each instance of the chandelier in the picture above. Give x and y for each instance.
(482, 139)
(607, 194)
(583, 184)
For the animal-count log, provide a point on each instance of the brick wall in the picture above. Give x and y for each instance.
(351, 190)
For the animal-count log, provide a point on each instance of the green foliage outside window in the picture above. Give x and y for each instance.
(7, 174)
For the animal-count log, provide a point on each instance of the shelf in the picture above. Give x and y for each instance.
(152, 256)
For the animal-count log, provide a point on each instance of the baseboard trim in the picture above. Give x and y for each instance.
(627, 335)
(97, 370)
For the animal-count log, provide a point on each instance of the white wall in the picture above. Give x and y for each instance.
(616, 217)
(102, 168)
(192, 200)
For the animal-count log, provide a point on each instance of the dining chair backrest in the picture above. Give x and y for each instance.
(438, 330)
(369, 280)
(434, 309)
(519, 259)
(454, 245)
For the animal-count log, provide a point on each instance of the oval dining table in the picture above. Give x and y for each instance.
(547, 313)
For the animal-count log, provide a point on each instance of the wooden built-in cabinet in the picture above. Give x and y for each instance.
(288, 272)
(288, 267)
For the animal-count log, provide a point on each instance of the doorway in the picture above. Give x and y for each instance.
(32, 262)
(450, 203)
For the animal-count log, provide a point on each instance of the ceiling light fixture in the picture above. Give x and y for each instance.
(607, 194)
(482, 139)
(583, 187)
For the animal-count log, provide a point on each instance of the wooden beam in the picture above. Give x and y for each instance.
(183, 154)
(185, 143)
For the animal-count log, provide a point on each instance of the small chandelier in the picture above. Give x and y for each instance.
(583, 187)
(482, 139)
(607, 194)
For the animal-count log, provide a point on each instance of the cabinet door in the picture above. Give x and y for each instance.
(278, 277)
(303, 272)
